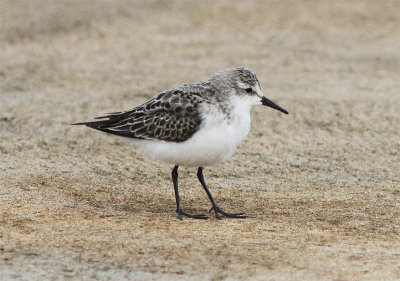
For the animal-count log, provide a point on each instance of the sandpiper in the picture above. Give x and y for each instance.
(194, 125)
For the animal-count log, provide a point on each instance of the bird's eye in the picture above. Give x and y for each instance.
(249, 90)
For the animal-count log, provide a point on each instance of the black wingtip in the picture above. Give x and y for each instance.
(110, 115)
(89, 124)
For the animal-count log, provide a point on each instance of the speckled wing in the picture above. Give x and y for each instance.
(171, 116)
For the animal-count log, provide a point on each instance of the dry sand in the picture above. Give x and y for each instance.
(321, 185)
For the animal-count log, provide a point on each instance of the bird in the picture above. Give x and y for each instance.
(196, 124)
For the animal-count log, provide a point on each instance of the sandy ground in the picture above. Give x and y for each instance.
(321, 185)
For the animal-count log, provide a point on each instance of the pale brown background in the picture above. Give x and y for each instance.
(321, 185)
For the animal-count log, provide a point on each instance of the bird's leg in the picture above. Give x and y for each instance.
(217, 209)
(179, 210)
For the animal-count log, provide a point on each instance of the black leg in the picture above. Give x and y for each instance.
(179, 211)
(217, 209)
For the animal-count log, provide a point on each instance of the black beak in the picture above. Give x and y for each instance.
(269, 103)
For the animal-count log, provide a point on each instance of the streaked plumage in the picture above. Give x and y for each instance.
(196, 124)
(172, 116)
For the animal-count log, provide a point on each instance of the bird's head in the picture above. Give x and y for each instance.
(246, 86)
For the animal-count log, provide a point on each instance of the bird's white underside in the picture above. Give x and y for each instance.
(213, 143)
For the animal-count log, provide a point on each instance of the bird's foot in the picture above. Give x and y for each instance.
(217, 210)
(181, 213)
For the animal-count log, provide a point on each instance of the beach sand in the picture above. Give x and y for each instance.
(321, 185)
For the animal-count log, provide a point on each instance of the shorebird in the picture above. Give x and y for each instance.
(193, 125)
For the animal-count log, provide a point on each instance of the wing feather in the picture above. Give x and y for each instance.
(173, 116)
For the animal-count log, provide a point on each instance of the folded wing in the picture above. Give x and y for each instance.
(171, 116)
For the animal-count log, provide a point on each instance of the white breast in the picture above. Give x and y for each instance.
(213, 143)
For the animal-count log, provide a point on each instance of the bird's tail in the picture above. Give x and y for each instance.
(108, 122)
(108, 119)
(98, 125)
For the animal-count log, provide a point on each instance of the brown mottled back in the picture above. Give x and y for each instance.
(171, 116)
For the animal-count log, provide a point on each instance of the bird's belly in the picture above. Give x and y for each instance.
(209, 146)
